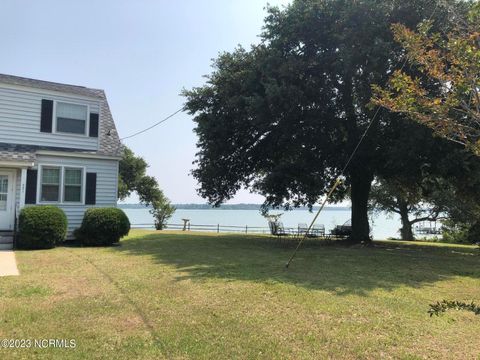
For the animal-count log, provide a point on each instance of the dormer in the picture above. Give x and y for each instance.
(52, 115)
(77, 118)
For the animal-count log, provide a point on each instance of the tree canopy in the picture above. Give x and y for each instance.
(283, 117)
(451, 62)
(133, 178)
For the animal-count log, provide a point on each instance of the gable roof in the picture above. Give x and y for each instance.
(109, 141)
(52, 86)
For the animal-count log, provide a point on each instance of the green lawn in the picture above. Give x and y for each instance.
(198, 296)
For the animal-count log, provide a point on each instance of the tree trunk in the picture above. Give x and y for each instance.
(406, 230)
(361, 179)
(360, 191)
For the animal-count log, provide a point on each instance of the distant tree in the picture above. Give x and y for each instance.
(445, 96)
(408, 203)
(407, 182)
(460, 196)
(283, 118)
(448, 184)
(133, 179)
(425, 172)
(131, 170)
(162, 210)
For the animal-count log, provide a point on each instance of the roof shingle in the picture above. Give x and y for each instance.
(20, 153)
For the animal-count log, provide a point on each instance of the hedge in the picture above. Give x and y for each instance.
(103, 226)
(41, 227)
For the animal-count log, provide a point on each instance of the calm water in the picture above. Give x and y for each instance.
(384, 225)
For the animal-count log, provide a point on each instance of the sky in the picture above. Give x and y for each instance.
(142, 53)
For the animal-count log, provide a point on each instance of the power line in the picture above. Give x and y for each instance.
(154, 125)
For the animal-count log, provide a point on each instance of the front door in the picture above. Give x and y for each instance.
(7, 203)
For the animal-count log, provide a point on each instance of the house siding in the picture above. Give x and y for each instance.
(107, 180)
(20, 112)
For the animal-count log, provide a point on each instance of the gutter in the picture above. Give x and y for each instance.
(16, 164)
(77, 155)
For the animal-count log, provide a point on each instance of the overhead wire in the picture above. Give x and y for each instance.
(154, 125)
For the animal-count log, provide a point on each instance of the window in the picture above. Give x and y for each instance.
(50, 190)
(3, 192)
(71, 118)
(72, 185)
(61, 184)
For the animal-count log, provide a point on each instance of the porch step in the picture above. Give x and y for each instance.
(6, 241)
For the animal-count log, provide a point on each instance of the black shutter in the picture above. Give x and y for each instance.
(91, 189)
(31, 187)
(47, 116)
(93, 125)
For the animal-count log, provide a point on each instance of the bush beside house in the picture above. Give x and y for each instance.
(41, 227)
(103, 226)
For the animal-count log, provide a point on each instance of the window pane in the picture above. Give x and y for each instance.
(50, 176)
(73, 176)
(3, 201)
(73, 194)
(73, 185)
(71, 126)
(71, 111)
(3, 184)
(50, 184)
(71, 118)
(50, 192)
(3, 192)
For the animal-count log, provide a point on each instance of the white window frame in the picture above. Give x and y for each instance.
(40, 183)
(54, 121)
(82, 184)
(61, 200)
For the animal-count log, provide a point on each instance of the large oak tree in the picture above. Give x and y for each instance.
(283, 117)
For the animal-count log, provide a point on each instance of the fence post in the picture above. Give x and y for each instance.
(218, 228)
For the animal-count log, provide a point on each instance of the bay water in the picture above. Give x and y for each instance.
(384, 225)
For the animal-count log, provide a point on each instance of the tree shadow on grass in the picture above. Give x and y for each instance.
(339, 269)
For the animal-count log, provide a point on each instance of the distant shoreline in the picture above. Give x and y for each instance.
(230, 207)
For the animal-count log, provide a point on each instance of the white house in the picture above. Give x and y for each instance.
(58, 146)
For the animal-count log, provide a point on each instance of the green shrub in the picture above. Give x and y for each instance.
(162, 211)
(102, 226)
(41, 227)
(461, 233)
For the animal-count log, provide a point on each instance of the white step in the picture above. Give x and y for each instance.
(6, 239)
(6, 242)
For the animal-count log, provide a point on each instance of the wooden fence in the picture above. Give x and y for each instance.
(218, 228)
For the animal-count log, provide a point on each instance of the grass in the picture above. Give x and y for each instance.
(201, 296)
